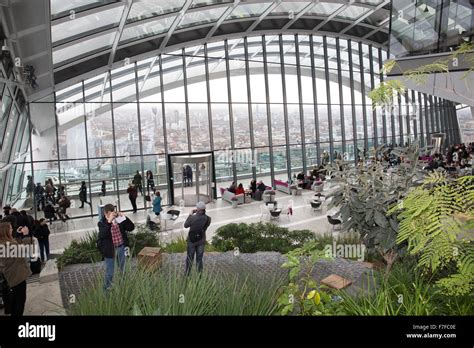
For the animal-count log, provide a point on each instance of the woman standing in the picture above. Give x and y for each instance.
(157, 203)
(15, 269)
(132, 195)
(41, 232)
(83, 194)
(150, 182)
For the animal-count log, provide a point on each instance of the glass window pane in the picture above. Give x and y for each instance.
(289, 7)
(140, 31)
(81, 26)
(201, 17)
(353, 12)
(99, 130)
(278, 125)
(86, 47)
(324, 9)
(199, 124)
(62, 7)
(127, 167)
(143, 9)
(260, 124)
(127, 140)
(220, 126)
(152, 128)
(249, 10)
(176, 128)
(241, 125)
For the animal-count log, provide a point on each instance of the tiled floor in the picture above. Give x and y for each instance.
(221, 213)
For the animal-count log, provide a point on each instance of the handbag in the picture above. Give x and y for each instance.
(148, 198)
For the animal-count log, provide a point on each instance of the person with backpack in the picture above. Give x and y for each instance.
(113, 240)
(41, 233)
(197, 222)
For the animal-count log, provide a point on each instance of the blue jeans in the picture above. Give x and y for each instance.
(110, 265)
(192, 250)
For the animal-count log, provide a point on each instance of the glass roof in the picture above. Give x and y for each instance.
(158, 26)
(81, 28)
(88, 24)
(353, 12)
(81, 48)
(201, 17)
(249, 10)
(286, 8)
(61, 8)
(142, 9)
(323, 9)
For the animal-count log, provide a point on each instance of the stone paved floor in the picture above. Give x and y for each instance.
(75, 278)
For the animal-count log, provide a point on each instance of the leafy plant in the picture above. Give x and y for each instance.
(434, 220)
(384, 93)
(250, 238)
(303, 295)
(82, 251)
(365, 193)
(405, 292)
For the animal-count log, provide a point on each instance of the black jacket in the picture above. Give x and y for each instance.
(41, 232)
(105, 244)
(198, 222)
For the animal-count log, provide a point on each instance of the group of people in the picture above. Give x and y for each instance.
(16, 228)
(458, 157)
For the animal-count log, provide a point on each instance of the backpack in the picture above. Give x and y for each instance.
(196, 236)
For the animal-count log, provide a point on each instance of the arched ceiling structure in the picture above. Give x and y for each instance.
(88, 37)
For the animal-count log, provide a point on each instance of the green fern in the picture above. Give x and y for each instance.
(436, 223)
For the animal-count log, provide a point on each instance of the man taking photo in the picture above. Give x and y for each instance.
(198, 222)
(113, 240)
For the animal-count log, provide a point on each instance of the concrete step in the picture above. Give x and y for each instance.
(50, 272)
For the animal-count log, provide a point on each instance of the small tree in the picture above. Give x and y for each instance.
(366, 192)
(436, 221)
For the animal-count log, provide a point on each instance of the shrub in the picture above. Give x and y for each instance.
(85, 250)
(82, 251)
(250, 238)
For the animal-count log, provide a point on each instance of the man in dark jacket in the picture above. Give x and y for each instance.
(113, 240)
(198, 222)
(137, 181)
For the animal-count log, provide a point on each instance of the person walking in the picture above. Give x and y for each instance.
(197, 222)
(83, 194)
(15, 269)
(41, 233)
(150, 181)
(103, 188)
(157, 203)
(30, 186)
(189, 174)
(113, 240)
(132, 195)
(137, 181)
(39, 196)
